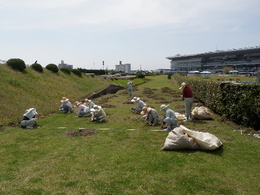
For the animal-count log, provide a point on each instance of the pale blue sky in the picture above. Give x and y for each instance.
(141, 32)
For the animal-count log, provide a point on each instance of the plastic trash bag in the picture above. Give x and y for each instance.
(177, 139)
(184, 138)
(201, 113)
(206, 141)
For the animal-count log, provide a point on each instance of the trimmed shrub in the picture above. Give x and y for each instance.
(66, 70)
(37, 67)
(16, 64)
(238, 103)
(76, 72)
(52, 67)
(140, 75)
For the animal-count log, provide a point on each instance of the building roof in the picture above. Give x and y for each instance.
(217, 53)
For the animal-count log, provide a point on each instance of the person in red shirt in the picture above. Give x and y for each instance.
(187, 96)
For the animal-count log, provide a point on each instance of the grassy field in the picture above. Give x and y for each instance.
(122, 155)
(20, 91)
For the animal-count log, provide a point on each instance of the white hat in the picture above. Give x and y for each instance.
(87, 100)
(30, 113)
(183, 85)
(145, 110)
(64, 99)
(95, 108)
(135, 99)
(163, 106)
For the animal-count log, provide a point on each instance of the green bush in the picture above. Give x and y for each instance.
(37, 67)
(140, 75)
(52, 67)
(16, 64)
(66, 70)
(238, 103)
(76, 72)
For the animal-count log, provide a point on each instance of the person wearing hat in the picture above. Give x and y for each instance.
(28, 120)
(187, 96)
(170, 118)
(130, 88)
(83, 110)
(151, 115)
(89, 105)
(97, 113)
(66, 106)
(139, 104)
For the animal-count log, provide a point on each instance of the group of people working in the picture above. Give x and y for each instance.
(170, 119)
(151, 115)
(87, 108)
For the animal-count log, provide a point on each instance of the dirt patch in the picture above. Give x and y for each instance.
(108, 106)
(170, 92)
(81, 132)
(111, 89)
(102, 101)
(128, 102)
(44, 116)
(179, 108)
(123, 92)
(148, 91)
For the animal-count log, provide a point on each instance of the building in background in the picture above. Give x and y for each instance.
(63, 65)
(125, 68)
(243, 60)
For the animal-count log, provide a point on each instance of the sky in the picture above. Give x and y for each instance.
(84, 33)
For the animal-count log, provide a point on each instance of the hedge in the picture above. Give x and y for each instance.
(239, 103)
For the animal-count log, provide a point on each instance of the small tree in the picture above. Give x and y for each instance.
(52, 67)
(16, 64)
(140, 75)
(37, 67)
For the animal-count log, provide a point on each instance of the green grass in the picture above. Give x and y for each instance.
(123, 161)
(20, 91)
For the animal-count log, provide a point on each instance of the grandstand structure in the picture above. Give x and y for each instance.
(243, 60)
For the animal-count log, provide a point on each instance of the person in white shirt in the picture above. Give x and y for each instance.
(130, 88)
(97, 113)
(139, 105)
(29, 118)
(170, 118)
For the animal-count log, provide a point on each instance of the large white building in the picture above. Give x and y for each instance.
(125, 68)
(63, 65)
(242, 60)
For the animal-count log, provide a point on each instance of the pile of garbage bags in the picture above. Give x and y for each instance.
(184, 138)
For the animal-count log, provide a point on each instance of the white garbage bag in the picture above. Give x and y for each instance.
(177, 139)
(202, 113)
(184, 138)
(206, 141)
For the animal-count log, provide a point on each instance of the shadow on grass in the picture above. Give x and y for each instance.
(218, 151)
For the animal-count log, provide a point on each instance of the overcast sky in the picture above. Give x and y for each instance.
(143, 33)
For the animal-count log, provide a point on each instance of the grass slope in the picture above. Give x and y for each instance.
(43, 91)
(123, 155)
